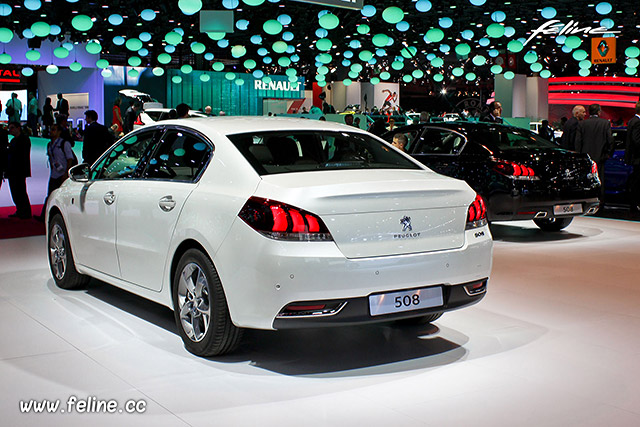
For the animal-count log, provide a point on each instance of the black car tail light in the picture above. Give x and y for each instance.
(281, 221)
(594, 168)
(477, 213)
(514, 170)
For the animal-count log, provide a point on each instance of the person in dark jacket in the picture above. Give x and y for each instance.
(62, 107)
(18, 170)
(130, 117)
(632, 157)
(4, 147)
(494, 113)
(594, 137)
(570, 128)
(97, 138)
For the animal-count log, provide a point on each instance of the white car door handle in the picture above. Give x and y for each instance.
(167, 203)
(109, 198)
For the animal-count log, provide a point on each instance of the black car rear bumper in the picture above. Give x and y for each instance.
(504, 207)
(355, 311)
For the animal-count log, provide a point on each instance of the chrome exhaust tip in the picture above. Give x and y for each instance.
(592, 210)
(541, 214)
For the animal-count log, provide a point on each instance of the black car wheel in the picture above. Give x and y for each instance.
(61, 263)
(552, 224)
(200, 307)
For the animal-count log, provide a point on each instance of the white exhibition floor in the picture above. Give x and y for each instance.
(556, 342)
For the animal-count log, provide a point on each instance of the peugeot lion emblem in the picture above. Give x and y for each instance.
(406, 223)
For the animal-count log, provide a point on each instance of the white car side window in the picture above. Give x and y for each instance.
(122, 162)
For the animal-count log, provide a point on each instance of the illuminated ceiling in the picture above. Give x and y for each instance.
(431, 40)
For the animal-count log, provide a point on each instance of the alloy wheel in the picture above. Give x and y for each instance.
(193, 302)
(57, 251)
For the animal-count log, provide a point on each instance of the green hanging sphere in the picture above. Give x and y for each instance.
(515, 46)
(176, 79)
(584, 72)
(205, 78)
(249, 64)
(631, 71)
(385, 75)
(186, 69)
(323, 70)
(479, 60)
(353, 75)
(102, 63)
(325, 58)
(279, 46)
(470, 76)
(238, 82)
(217, 66)
(253, 2)
(573, 42)
(536, 67)
(272, 27)
(51, 69)
(93, 48)
(397, 65)
(238, 51)
(133, 73)
(60, 52)
(509, 75)
(463, 49)
(347, 82)
(215, 35)
(585, 63)
(32, 55)
(158, 71)
(190, 7)
(134, 44)
(409, 52)
(438, 77)
(437, 62)
(198, 48)
(284, 61)
(530, 57)
(374, 80)
(5, 58)
(545, 74)
(632, 63)
(495, 30)
(457, 71)
(632, 52)
(393, 15)
(329, 21)
(230, 76)
(418, 74)
(356, 68)
(435, 35)
(5, 35)
(324, 44)
(365, 55)
(27, 71)
(173, 38)
(291, 72)
(496, 69)
(407, 78)
(134, 61)
(579, 55)
(82, 23)
(106, 73)
(380, 40)
(164, 58)
(363, 29)
(40, 29)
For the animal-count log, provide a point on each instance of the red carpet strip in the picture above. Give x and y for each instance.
(12, 228)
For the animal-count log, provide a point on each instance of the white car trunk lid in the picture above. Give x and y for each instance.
(379, 213)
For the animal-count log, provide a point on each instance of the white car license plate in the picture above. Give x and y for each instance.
(396, 302)
(567, 209)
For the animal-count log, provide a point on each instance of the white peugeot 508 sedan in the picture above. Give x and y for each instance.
(269, 223)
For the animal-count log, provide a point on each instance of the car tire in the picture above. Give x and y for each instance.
(200, 307)
(61, 263)
(422, 320)
(552, 224)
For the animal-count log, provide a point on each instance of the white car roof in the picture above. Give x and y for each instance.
(225, 125)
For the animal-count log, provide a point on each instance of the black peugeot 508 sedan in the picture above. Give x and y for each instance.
(520, 175)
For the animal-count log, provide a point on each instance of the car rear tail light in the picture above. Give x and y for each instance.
(302, 309)
(594, 169)
(477, 213)
(514, 170)
(281, 221)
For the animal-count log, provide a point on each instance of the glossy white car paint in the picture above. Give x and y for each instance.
(132, 243)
